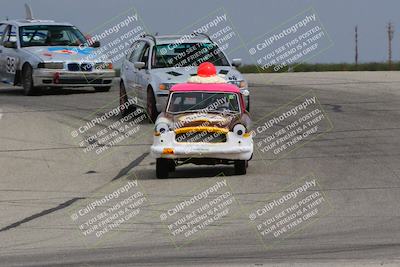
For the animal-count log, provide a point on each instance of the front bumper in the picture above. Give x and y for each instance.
(55, 78)
(235, 148)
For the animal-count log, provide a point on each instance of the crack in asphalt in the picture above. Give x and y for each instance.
(131, 165)
(67, 203)
(335, 107)
(40, 214)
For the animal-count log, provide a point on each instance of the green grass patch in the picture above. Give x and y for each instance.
(319, 67)
(307, 67)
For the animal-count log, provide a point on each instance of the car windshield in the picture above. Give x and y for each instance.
(51, 35)
(187, 54)
(180, 102)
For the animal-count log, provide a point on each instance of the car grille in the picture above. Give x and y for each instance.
(73, 67)
(80, 67)
(86, 67)
(201, 137)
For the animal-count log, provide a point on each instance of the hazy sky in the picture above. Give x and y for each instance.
(251, 19)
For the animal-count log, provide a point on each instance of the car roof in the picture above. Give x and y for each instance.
(209, 87)
(24, 22)
(168, 39)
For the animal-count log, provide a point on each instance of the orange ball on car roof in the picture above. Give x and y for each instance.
(206, 69)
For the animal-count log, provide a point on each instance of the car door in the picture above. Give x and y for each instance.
(131, 73)
(3, 28)
(8, 56)
(143, 75)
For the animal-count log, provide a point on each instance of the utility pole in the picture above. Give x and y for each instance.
(356, 48)
(390, 30)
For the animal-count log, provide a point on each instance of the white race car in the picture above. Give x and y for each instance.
(43, 53)
(156, 63)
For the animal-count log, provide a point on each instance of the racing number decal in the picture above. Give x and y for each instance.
(11, 65)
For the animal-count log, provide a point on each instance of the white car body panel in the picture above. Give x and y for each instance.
(66, 55)
(235, 148)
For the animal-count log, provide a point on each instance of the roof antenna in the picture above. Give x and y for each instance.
(28, 12)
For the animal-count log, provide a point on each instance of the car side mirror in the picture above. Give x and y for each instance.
(139, 65)
(9, 44)
(236, 62)
(96, 44)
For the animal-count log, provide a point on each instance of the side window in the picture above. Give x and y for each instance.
(132, 49)
(137, 52)
(3, 32)
(12, 35)
(145, 55)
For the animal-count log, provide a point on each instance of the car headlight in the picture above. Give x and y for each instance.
(51, 65)
(166, 86)
(103, 66)
(239, 129)
(162, 128)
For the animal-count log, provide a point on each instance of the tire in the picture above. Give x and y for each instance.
(102, 89)
(171, 165)
(123, 99)
(27, 81)
(162, 168)
(240, 167)
(151, 106)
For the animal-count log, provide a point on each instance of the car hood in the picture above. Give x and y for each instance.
(62, 53)
(202, 119)
(182, 74)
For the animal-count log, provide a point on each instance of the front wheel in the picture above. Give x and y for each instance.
(162, 168)
(124, 105)
(171, 166)
(240, 167)
(27, 81)
(151, 106)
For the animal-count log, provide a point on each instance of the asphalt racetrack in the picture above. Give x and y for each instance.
(45, 176)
